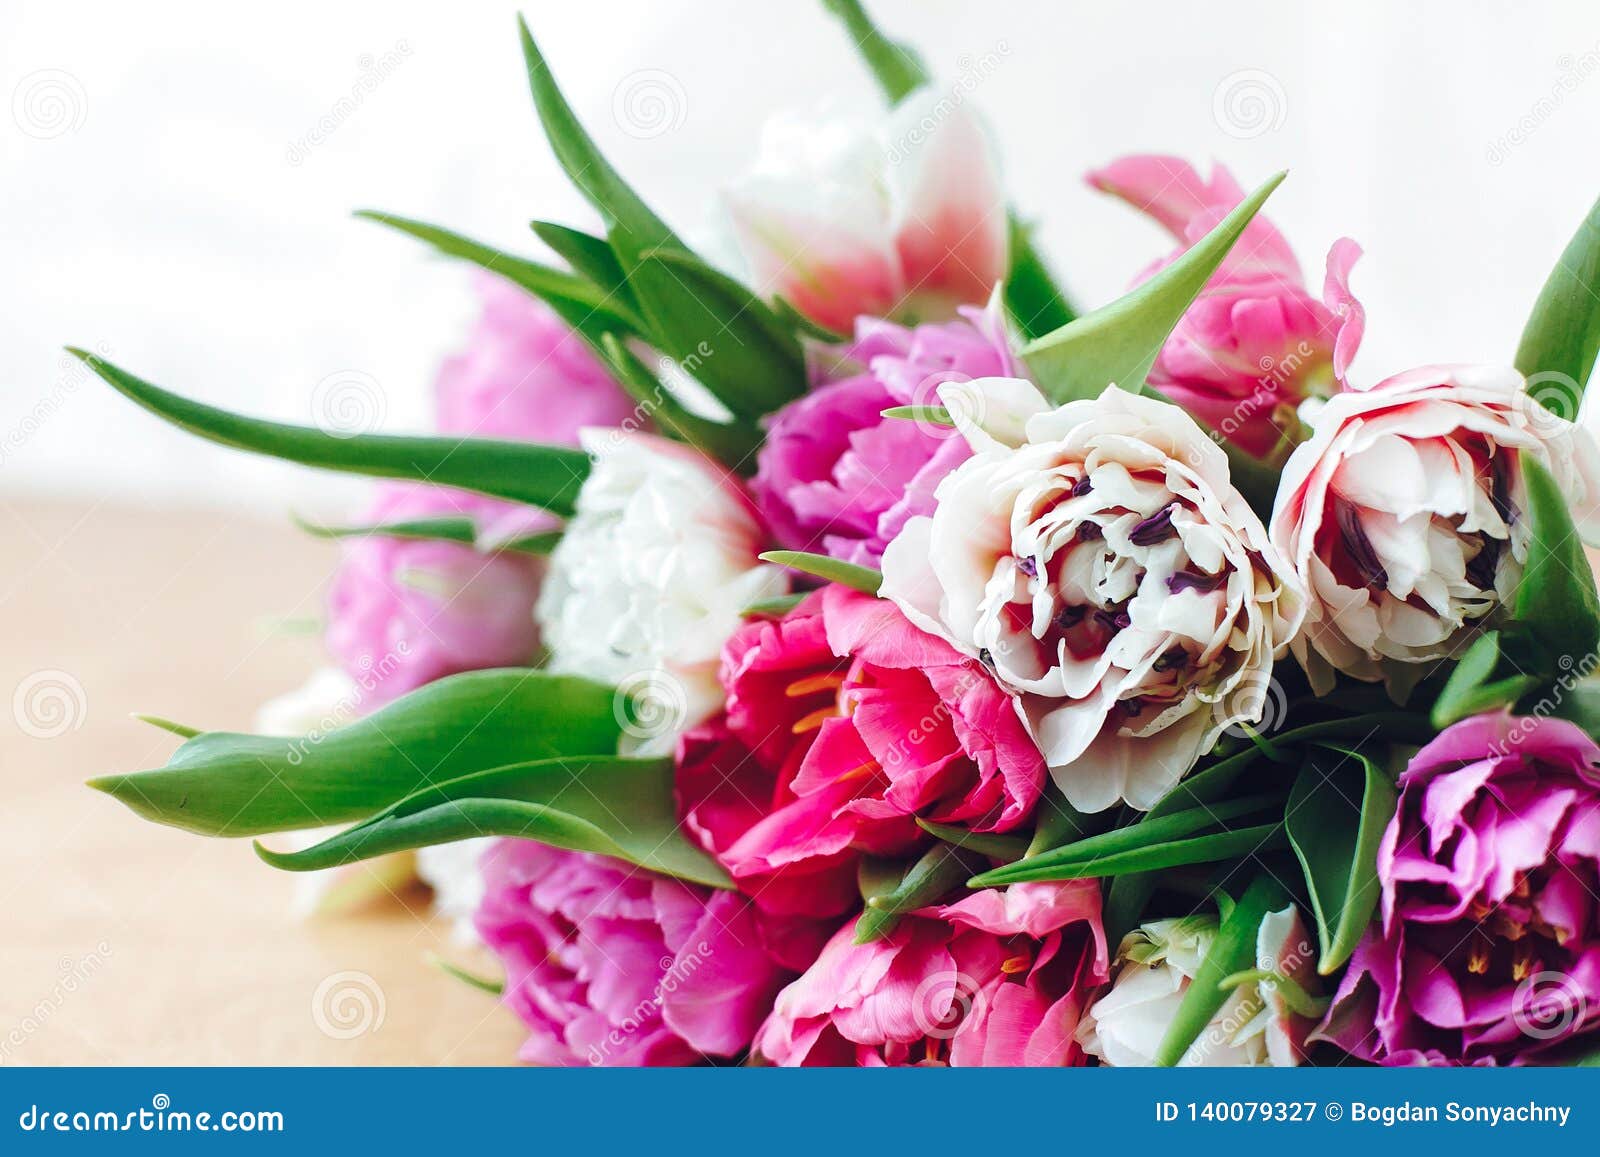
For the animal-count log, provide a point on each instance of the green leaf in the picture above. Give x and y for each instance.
(1298, 999)
(940, 870)
(896, 67)
(719, 332)
(803, 326)
(1088, 853)
(608, 805)
(1033, 300)
(1338, 810)
(1233, 951)
(774, 608)
(1206, 849)
(226, 784)
(1470, 691)
(631, 226)
(1056, 821)
(182, 731)
(732, 443)
(544, 476)
(587, 308)
(1562, 337)
(984, 843)
(860, 578)
(472, 979)
(936, 415)
(1556, 600)
(540, 543)
(446, 528)
(590, 256)
(1118, 343)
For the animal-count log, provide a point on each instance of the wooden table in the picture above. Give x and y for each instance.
(128, 943)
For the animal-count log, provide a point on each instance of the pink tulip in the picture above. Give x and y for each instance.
(1000, 977)
(908, 222)
(609, 964)
(1255, 343)
(844, 721)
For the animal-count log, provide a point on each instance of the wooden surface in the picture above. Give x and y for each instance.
(128, 943)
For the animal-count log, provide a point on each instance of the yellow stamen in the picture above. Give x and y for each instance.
(826, 681)
(815, 720)
(1015, 964)
(1478, 960)
(1521, 962)
(866, 769)
(1521, 891)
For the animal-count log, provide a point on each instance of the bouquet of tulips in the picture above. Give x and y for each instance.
(849, 653)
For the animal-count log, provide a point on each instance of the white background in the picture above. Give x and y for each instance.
(155, 211)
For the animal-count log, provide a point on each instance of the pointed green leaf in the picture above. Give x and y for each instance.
(447, 528)
(774, 608)
(732, 443)
(860, 578)
(720, 332)
(1090, 851)
(1470, 688)
(1057, 822)
(896, 67)
(455, 971)
(984, 843)
(589, 256)
(586, 307)
(1206, 849)
(1556, 600)
(940, 870)
(1118, 343)
(630, 224)
(934, 415)
(226, 784)
(182, 731)
(1233, 951)
(1558, 347)
(540, 544)
(609, 805)
(1338, 810)
(543, 476)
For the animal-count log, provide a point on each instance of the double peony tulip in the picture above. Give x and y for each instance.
(1402, 515)
(837, 477)
(844, 722)
(1489, 946)
(999, 977)
(1256, 343)
(1097, 558)
(609, 964)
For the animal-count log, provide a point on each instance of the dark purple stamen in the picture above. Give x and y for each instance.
(1028, 567)
(1069, 617)
(1190, 580)
(985, 657)
(1480, 571)
(1090, 532)
(1359, 546)
(1113, 620)
(1172, 657)
(1156, 528)
(1081, 487)
(1132, 707)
